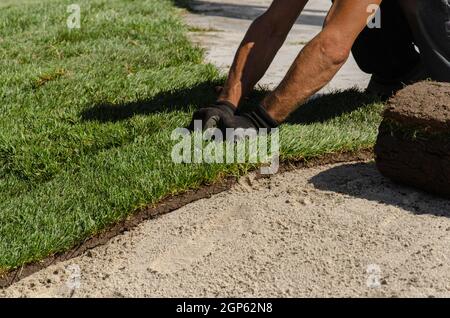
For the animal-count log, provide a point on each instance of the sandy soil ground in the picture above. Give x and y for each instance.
(338, 230)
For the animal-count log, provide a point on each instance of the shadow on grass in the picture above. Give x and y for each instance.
(165, 102)
(325, 107)
(362, 180)
(320, 109)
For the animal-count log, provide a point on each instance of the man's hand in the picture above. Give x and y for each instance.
(211, 116)
(255, 120)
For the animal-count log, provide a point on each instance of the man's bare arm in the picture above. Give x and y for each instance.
(261, 43)
(320, 59)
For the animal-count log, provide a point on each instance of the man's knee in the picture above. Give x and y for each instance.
(434, 17)
(430, 20)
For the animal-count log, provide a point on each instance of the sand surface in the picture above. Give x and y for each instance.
(337, 230)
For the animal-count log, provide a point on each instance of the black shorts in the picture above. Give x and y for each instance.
(407, 26)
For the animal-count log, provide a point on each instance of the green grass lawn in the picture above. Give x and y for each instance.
(86, 117)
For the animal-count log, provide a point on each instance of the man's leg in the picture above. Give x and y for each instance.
(388, 53)
(430, 22)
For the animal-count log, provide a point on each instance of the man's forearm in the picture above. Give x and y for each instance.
(253, 58)
(313, 68)
(261, 43)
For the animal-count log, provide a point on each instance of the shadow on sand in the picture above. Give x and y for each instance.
(362, 180)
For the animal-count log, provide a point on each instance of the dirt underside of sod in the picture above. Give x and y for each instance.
(413, 145)
(87, 114)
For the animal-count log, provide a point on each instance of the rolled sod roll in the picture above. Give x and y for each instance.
(413, 145)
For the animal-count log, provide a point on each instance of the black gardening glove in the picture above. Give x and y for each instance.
(210, 116)
(255, 120)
